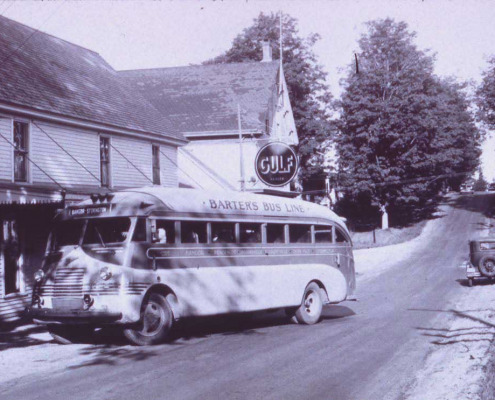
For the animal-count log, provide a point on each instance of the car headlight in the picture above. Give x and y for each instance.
(105, 273)
(39, 275)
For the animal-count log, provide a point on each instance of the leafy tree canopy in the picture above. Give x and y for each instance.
(305, 79)
(400, 125)
(486, 95)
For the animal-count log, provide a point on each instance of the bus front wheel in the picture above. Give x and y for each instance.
(156, 322)
(309, 312)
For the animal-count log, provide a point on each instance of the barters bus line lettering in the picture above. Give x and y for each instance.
(253, 206)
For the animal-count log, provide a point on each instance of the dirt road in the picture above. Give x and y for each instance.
(365, 350)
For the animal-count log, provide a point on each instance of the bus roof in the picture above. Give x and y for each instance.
(158, 200)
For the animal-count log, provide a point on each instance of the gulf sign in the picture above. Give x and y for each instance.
(276, 164)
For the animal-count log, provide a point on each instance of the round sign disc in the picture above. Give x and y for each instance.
(276, 164)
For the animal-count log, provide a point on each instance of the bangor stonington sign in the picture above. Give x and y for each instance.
(276, 164)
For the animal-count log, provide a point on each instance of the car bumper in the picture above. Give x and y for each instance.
(471, 270)
(48, 316)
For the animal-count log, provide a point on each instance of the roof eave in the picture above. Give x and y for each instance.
(227, 132)
(88, 124)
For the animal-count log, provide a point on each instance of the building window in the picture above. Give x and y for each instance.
(21, 141)
(105, 161)
(156, 164)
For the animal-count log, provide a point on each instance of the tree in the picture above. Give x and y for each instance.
(486, 96)
(308, 91)
(480, 184)
(402, 130)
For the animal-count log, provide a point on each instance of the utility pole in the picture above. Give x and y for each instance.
(241, 154)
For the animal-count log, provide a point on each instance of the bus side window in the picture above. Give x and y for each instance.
(250, 233)
(275, 233)
(223, 232)
(193, 232)
(165, 232)
(339, 236)
(300, 233)
(140, 231)
(323, 234)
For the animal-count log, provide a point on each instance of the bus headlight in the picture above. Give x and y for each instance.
(39, 275)
(105, 273)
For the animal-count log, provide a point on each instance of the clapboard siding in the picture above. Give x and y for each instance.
(5, 149)
(135, 154)
(82, 145)
(168, 166)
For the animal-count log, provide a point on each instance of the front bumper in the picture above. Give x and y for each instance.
(471, 270)
(48, 316)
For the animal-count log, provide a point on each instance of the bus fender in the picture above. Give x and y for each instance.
(169, 295)
(323, 291)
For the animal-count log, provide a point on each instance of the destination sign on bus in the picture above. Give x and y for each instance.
(94, 210)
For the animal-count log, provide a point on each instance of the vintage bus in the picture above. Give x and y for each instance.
(144, 258)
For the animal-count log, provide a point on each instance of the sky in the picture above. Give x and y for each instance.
(151, 34)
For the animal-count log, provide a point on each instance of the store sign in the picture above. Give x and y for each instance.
(276, 164)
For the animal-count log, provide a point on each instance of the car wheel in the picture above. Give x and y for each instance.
(487, 266)
(309, 312)
(155, 325)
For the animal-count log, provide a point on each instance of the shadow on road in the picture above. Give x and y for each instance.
(248, 323)
(483, 203)
(109, 354)
(21, 336)
(446, 336)
(477, 282)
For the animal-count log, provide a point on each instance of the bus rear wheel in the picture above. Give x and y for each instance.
(155, 325)
(309, 312)
(68, 334)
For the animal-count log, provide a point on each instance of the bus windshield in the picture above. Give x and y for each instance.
(107, 230)
(67, 233)
(98, 231)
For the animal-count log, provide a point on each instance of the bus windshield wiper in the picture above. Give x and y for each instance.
(100, 237)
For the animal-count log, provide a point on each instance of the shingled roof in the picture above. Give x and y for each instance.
(48, 74)
(203, 99)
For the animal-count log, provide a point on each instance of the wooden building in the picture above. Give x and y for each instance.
(69, 126)
(202, 102)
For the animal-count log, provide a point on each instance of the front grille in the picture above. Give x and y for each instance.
(68, 282)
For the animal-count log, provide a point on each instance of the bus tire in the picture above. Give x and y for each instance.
(156, 322)
(309, 312)
(68, 334)
(487, 266)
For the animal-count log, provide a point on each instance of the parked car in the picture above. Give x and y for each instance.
(491, 187)
(481, 262)
(466, 188)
